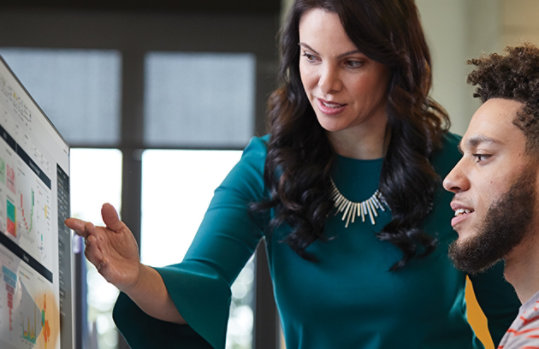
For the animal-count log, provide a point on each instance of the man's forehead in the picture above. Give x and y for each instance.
(492, 123)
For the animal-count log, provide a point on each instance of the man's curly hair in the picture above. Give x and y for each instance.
(513, 76)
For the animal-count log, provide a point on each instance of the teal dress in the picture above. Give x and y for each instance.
(348, 298)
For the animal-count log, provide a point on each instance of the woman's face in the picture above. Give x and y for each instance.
(346, 89)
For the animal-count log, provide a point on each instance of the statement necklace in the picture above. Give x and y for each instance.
(351, 210)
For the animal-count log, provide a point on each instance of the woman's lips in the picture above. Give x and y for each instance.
(329, 108)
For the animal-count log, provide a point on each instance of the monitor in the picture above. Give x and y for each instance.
(36, 259)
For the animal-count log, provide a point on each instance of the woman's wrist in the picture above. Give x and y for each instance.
(139, 282)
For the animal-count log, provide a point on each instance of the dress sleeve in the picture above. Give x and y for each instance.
(497, 299)
(200, 285)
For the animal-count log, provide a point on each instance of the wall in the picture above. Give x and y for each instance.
(457, 30)
(519, 21)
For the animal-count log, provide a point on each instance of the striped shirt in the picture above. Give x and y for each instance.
(524, 331)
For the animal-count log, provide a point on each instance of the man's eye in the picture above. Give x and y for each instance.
(481, 157)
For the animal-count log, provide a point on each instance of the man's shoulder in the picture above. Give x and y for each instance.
(524, 331)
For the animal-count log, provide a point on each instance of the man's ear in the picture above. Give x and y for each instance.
(536, 166)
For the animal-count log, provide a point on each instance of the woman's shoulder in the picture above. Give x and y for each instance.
(445, 158)
(256, 149)
(451, 140)
(247, 176)
(253, 157)
(258, 143)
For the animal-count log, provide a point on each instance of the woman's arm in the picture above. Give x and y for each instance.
(114, 252)
(147, 312)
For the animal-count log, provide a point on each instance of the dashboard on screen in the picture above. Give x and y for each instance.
(36, 288)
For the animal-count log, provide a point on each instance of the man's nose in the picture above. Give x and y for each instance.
(456, 180)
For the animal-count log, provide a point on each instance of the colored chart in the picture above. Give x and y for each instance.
(10, 279)
(35, 261)
(29, 313)
(11, 218)
(24, 209)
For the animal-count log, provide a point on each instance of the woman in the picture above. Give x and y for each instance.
(346, 192)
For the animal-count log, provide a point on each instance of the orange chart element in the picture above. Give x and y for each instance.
(50, 321)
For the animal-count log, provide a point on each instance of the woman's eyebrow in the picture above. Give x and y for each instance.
(302, 44)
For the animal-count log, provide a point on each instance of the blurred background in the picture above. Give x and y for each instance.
(157, 99)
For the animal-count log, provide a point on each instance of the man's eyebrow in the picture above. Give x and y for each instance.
(475, 141)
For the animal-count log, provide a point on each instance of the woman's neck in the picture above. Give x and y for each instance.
(360, 143)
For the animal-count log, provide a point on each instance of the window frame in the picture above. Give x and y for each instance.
(133, 35)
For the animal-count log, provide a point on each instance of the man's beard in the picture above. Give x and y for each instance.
(505, 225)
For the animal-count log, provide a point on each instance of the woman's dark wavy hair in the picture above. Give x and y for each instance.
(300, 157)
(512, 76)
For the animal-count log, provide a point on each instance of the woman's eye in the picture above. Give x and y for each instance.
(309, 56)
(354, 63)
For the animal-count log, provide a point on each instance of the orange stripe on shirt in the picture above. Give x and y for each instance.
(526, 321)
(518, 333)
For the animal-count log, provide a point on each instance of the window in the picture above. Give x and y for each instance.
(74, 88)
(177, 186)
(122, 87)
(194, 100)
(95, 178)
(180, 184)
(199, 99)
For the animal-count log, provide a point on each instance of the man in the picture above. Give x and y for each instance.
(496, 183)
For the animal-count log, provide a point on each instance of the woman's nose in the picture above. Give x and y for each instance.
(329, 81)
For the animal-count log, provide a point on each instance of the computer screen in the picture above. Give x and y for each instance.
(36, 259)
